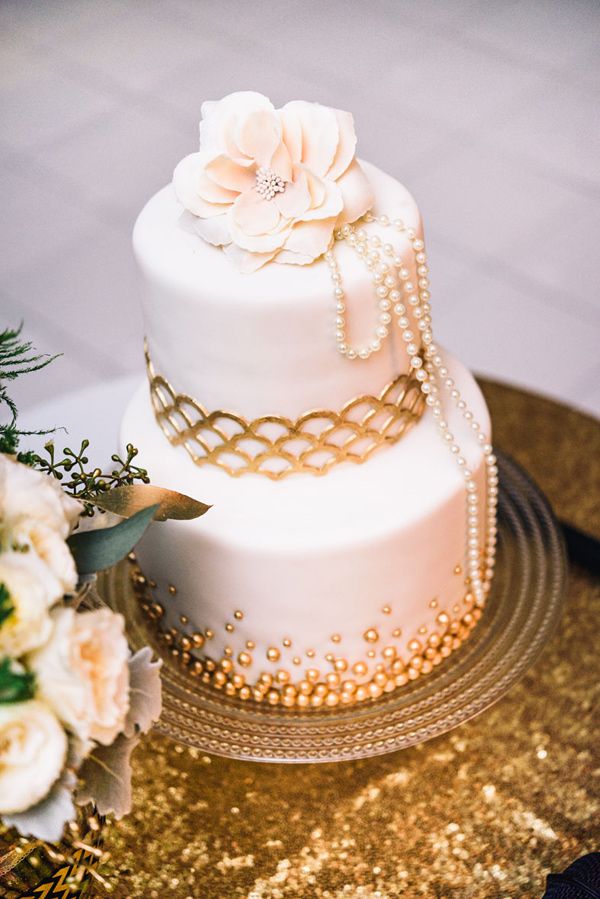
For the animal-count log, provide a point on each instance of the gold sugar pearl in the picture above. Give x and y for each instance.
(245, 692)
(209, 634)
(210, 665)
(296, 660)
(310, 653)
(266, 679)
(312, 675)
(316, 701)
(219, 678)
(245, 659)
(458, 569)
(422, 629)
(282, 676)
(302, 701)
(230, 689)
(360, 668)
(238, 615)
(229, 628)
(186, 643)
(332, 679)
(320, 690)
(414, 646)
(387, 610)
(184, 619)
(198, 640)
(172, 589)
(336, 638)
(397, 632)
(226, 665)
(250, 644)
(375, 690)
(371, 635)
(443, 618)
(389, 652)
(330, 657)
(287, 642)
(272, 697)
(332, 699)
(273, 654)
(362, 693)
(228, 651)
(238, 681)
(371, 653)
(340, 665)
(433, 604)
(305, 688)
(348, 686)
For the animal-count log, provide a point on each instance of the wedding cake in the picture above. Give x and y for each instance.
(294, 383)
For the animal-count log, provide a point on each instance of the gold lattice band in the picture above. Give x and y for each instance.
(277, 446)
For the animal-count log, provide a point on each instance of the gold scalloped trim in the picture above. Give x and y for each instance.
(277, 446)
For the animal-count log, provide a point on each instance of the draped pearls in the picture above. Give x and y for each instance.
(402, 303)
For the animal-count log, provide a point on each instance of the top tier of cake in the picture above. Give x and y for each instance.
(262, 343)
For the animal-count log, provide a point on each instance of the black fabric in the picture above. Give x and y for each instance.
(581, 880)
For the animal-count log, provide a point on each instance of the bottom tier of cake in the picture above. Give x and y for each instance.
(314, 591)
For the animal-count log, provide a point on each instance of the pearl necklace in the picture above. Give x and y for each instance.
(413, 301)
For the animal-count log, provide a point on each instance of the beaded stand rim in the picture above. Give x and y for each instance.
(520, 616)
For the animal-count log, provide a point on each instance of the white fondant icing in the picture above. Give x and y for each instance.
(262, 343)
(309, 557)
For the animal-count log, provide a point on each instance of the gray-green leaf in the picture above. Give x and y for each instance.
(105, 777)
(99, 549)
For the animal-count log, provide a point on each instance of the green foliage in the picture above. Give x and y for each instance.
(80, 481)
(97, 550)
(16, 684)
(6, 606)
(17, 357)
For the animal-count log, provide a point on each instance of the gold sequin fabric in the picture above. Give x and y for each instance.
(484, 812)
(277, 446)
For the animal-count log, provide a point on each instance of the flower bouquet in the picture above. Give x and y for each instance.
(74, 701)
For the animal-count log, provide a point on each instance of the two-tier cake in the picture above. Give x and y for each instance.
(295, 384)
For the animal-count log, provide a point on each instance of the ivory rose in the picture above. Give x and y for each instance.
(36, 514)
(272, 184)
(33, 750)
(83, 674)
(31, 590)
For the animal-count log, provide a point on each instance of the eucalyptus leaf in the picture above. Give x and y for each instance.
(6, 605)
(130, 498)
(99, 549)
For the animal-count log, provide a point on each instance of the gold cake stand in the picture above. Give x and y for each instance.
(521, 613)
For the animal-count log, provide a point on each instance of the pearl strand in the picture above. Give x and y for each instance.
(429, 374)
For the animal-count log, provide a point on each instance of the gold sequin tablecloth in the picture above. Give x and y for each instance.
(485, 811)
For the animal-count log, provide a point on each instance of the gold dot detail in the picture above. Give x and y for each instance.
(433, 604)
(371, 635)
(172, 590)
(245, 659)
(371, 653)
(297, 660)
(228, 651)
(250, 644)
(458, 569)
(229, 628)
(209, 634)
(238, 615)
(287, 642)
(387, 610)
(397, 632)
(273, 654)
(310, 653)
(184, 619)
(336, 638)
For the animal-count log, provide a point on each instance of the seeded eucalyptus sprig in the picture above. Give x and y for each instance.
(76, 477)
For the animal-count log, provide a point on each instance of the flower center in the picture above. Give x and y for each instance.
(268, 183)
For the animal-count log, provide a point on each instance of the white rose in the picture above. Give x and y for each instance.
(272, 184)
(31, 589)
(83, 674)
(33, 750)
(29, 494)
(51, 548)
